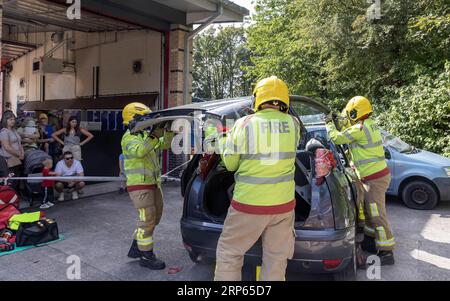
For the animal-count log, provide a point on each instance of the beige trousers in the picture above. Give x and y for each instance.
(377, 224)
(149, 204)
(241, 231)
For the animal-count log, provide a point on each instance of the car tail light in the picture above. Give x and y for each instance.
(206, 163)
(331, 264)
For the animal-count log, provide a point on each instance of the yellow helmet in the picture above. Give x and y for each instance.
(270, 89)
(132, 109)
(358, 107)
(43, 116)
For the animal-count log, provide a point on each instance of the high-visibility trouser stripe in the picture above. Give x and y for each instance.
(141, 214)
(271, 156)
(366, 146)
(371, 160)
(383, 241)
(256, 180)
(145, 241)
(374, 210)
(387, 243)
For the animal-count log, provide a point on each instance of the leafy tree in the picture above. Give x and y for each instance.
(421, 112)
(219, 57)
(332, 51)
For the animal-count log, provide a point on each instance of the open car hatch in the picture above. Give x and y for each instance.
(143, 124)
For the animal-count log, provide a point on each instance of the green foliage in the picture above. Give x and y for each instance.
(219, 57)
(421, 113)
(332, 51)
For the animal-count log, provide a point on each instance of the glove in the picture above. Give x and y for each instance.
(330, 117)
(158, 132)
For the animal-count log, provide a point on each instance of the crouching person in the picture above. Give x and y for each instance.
(69, 167)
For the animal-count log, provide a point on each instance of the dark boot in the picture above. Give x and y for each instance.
(386, 257)
(134, 250)
(368, 245)
(150, 261)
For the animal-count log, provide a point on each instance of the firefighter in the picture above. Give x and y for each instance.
(343, 124)
(364, 140)
(261, 149)
(142, 169)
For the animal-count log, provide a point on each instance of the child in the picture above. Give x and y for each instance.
(48, 199)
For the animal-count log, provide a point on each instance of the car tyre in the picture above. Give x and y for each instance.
(420, 195)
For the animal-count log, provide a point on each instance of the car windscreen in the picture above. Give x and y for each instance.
(308, 114)
(396, 143)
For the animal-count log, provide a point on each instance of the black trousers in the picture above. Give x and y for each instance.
(48, 195)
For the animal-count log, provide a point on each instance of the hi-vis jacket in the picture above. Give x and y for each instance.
(141, 159)
(261, 148)
(366, 148)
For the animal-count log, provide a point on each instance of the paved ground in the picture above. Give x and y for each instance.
(98, 230)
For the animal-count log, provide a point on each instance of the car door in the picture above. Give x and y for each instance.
(389, 154)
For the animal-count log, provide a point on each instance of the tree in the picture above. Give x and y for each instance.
(219, 57)
(332, 51)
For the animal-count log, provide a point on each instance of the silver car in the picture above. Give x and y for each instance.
(421, 179)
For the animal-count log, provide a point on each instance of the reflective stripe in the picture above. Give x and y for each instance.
(381, 233)
(145, 144)
(139, 234)
(347, 134)
(142, 214)
(145, 242)
(250, 137)
(370, 143)
(368, 135)
(271, 156)
(371, 160)
(366, 146)
(386, 243)
(256, 180)
(374, 210)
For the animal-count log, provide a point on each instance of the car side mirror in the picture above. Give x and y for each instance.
(387, 154)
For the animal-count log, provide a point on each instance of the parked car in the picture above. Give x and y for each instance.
(421, 179)
(325, 215)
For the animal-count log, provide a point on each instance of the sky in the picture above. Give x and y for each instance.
(245, 3)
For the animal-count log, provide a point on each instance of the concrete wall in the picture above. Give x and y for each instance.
(113, 52)
(58, 86)
(115, 56)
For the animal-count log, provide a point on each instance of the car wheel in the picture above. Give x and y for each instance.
(420, 195)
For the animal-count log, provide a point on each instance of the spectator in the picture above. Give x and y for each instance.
(72, 137)
(69, 167)
(11, 148)
(46, 131)
(29, 134)
(47, 185)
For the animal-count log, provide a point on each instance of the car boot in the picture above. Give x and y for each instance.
(368, 245)
(134, 250)
(386, 257)
(149, 260)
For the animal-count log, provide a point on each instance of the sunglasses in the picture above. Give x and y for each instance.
(68, 158)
